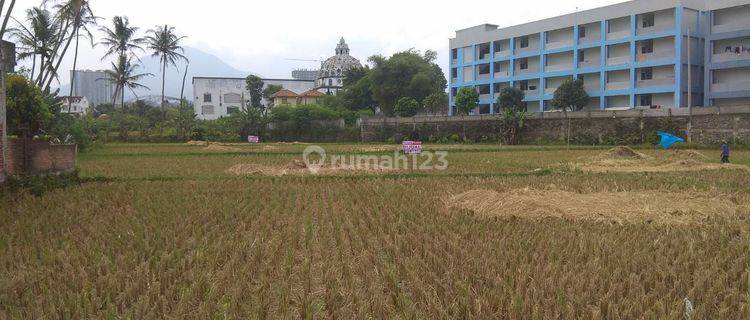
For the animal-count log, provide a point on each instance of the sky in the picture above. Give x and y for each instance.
(262, 36)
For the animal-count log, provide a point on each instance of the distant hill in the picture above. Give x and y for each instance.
(201, 64)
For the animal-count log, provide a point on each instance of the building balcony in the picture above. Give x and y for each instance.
(623, 85)
(729, 27)
(589, 39)
(613, 61)
(549, 91)
(484, 56)
(502, 74)
(454, 61)
(484, 97)
(524, 71)
(531, 93)
(527, 49)
(558, 67)
(655, 29)
(729, 57)
(655, 83)
(588, 64)
(591, 88)
(483, 76)
(454, 80)
(656, 55)
(502, 53)
(617, 35)
(558, 45)
(731, 86)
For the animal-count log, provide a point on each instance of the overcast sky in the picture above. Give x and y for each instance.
(259, 36)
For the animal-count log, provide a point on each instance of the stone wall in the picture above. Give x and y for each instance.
(39, 157)
(710, 126)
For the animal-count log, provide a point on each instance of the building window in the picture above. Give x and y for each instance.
(330, 82)
(232, 98)
(454, 73)
(207, 110)
(207, 97)
(284, 100)
(647, 46)
(231, 110)
(581, 56)
(524, 42)
(648, 20)
(647, 74)
(454, 91)
(524, 85)
(646, 100)
(524, 64)
(582, 32)
(454, 54)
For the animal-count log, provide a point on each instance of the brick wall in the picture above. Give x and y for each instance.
(710, 126)
(2, 148)
(39, 157)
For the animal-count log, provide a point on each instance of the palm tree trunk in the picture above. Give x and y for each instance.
(73, 75)
(33, 67)
(48, 67)
(163, 82)
(65, 50)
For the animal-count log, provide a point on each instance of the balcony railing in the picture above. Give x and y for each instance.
(484, 56)
(525, 71)
(549, 90)
(655, 29)
(731, 86)
(558, 44)
(613, 61)
(728, 27)
(502, 74)
(527, 49)
(655, 82)
(656, 55)
(589, 39)
(591, 88)
(531, 93)
(483, 76)
(454, 61)
(618, 85)
(588, 63)
(618, 35)
(730, 56)
(558, 67)
(484, 97)
(502, 53)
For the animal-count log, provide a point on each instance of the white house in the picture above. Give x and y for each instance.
(219, 97)
(75, 105)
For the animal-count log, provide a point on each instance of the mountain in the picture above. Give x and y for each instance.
(201, 64)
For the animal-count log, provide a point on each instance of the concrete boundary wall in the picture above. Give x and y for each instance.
(710, 125)
(39, 158)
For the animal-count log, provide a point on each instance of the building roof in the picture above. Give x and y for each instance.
(339, 64)
(284, 93)
(312, 94)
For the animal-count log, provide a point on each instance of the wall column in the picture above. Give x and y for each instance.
(633, 58)
(679, 15)
(602, 66)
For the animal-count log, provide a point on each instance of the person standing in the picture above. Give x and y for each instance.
(725, 152)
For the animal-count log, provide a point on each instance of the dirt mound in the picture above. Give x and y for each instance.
(220, 147)
(296, 164)
(687, 155)
(196, 143)
(634, 207)
(622, 152)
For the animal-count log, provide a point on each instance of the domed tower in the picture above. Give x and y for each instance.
(332, 71)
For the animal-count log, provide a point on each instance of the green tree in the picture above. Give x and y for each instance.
(511, 97)
(123, 75)
(406, 107)
(571, 95)
(121, 39)
(74, 16)
(466, 100)
(357, 91)
(405, 74)
(249, 121)
(436, 103)
(164, 43)
(36, 41)
(27, 111)
(254, 86)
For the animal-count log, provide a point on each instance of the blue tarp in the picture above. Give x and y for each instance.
(668, 139)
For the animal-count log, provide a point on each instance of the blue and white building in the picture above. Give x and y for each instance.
(641, 53)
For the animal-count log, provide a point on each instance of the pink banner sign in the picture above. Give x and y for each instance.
(412, 147)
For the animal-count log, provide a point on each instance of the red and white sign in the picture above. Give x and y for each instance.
(253, 139)
(412, 147)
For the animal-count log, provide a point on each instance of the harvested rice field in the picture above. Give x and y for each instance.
(217, 231)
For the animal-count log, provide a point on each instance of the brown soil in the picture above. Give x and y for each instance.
(297, 167)
(634, 207)
(624, 159)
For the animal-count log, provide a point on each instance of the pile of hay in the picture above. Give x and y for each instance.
(624, 159)
(196, 143)
(634, 207)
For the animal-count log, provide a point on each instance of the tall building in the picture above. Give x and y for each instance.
(94, 86)
(641, 53)
(332, 71)
(219, 97)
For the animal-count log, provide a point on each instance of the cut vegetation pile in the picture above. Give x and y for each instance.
(636, 207)
(624, 159)
(221, 148)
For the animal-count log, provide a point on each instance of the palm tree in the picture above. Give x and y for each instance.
(121, 39)
(73, 16)
(123, 75)
(165, 44)
(36, 40)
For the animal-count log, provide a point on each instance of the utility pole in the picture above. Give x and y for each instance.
(690, 91)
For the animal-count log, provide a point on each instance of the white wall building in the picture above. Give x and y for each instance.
(218, 97)
(75, 105)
